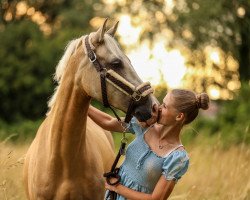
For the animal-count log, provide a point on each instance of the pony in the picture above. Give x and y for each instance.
(70, 153)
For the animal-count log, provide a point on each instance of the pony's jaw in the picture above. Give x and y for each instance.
(107, 51)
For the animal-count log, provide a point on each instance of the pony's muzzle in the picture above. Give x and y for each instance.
(146, 113)
(154, 114)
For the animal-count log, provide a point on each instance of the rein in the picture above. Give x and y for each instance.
(136, 94)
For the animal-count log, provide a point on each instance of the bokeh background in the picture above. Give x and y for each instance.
(193, 44)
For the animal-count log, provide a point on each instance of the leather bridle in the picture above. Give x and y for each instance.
(136, 93)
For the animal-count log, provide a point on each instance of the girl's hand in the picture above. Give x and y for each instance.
(144, 124)
(112, 187)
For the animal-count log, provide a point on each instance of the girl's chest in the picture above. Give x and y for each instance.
(152, 140)
(140, 154)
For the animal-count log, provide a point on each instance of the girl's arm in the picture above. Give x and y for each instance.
(104, 120)
(162, 191)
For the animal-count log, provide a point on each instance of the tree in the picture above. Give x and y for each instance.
(223, 24)
(33, 35)
(194, 25)
(25, 71)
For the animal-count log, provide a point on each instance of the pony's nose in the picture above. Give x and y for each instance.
(155, 109)
(142, 115)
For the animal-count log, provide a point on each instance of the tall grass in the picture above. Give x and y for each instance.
(215, 173)
(11, 164)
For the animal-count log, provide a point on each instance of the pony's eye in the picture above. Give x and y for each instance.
(116, 64)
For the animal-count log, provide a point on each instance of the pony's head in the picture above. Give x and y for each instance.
(121, 81)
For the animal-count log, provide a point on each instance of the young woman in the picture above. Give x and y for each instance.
(155, 159)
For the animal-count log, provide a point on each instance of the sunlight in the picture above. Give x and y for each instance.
(215, 57)
(214, 92)
(241, 12)
(170, 63)
(130, 34)
(8, 16)
(155, 63)
(21, 8)
(38, 18)
(31, 11)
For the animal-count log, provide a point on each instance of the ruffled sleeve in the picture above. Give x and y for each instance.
(175, 165)
(134, 127)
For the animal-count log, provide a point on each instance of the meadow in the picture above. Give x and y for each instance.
(215, 173)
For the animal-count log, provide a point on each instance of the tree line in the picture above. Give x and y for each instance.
(33, 35)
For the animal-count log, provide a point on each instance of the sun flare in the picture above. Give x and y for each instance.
(154, 64)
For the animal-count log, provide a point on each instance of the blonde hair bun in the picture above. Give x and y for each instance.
(202, 101)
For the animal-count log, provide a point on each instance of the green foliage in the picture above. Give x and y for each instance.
(29, 57)
(161, 91)
(25, 71)
(19, 132)
(231, 124)
(191, 25)
(26, 68)
(234, 117)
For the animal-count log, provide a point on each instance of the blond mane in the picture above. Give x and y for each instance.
(60, 68)
(112, 45)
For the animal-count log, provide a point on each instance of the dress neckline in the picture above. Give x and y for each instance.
(168, 153)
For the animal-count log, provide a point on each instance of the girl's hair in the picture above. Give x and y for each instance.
(189, 103)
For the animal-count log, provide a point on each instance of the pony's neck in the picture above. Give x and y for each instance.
(69, 117)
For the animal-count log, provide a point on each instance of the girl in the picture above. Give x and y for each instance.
(155, 159)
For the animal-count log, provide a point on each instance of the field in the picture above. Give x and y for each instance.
(214, 174)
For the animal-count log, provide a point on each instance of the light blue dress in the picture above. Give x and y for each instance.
(142, 168)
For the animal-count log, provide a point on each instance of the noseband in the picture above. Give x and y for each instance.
(136, 93)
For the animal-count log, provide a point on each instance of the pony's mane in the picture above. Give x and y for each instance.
(69, 51)
(60, 68)
(112, 45)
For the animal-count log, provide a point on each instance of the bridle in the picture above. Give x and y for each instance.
(136, 94)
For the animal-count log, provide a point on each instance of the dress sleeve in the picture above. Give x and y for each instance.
(134, 127)
(175, 165)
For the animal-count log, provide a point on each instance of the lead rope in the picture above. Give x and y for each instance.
(136, 95)
(111, 195)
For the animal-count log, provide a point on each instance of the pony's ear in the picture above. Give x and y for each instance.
(113, 29)
(98, 36)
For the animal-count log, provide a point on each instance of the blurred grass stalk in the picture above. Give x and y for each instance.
(215, 173)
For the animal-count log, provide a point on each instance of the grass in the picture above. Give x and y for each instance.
(11, 164)
(214, 173)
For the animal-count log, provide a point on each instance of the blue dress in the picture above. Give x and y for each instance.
(142, 168)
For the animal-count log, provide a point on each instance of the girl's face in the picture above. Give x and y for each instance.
(167, 111)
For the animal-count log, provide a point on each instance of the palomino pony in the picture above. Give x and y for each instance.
(70, 153)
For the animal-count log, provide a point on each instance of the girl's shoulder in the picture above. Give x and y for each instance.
(175, 164)
(177, 155)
